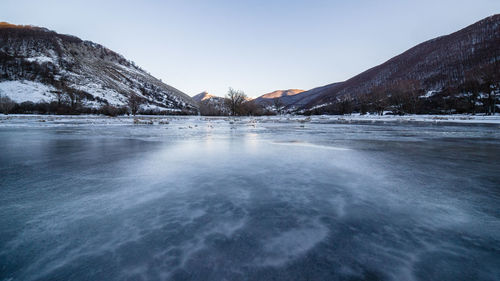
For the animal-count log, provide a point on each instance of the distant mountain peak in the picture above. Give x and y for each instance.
(203, 96)
(7, 25)
(4, 24)
(281, 93)
(285, 96)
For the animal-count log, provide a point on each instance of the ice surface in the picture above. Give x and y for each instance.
(278, 198)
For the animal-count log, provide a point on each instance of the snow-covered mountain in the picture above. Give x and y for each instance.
(441, 63)
(37, 64)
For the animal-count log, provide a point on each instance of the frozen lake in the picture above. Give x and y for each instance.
(95, 198)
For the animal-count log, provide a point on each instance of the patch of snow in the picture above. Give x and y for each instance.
(156, 108)
(113, 97)
(130, 69)
(320, 105)
(23, 90)
(40, 59)
(428, 94)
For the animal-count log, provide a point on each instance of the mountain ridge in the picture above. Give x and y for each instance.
(440, 60)
(278, 96)
(203, 96)
(66, 63)
(444, 61)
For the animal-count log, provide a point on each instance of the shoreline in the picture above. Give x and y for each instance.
(316, 119)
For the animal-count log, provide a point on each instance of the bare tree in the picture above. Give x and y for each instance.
(412, 90)
(73, 97)
(213, 107)
(363, 101)
(279, 106)
(60, 97)
(379, 100)
(250, 108)
(134, 103)
(491, 92)
(412, 103)
(343, 105)
(235, 100)
(6, 104)
(472, 89)
(404, 96)
(490, 86)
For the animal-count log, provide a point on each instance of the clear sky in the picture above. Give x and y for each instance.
(257, 46)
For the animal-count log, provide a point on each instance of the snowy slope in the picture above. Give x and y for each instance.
(23, 90)
(66, 63)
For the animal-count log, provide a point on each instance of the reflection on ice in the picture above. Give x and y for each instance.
(305, 144)
(265, 201)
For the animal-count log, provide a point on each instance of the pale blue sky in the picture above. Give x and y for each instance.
(256, 46)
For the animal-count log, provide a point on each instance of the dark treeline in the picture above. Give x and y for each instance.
(399, 98)
(222, 108)
(235, 103)
(474, 95)
(479, 93)
(71, 103)
(405, 97)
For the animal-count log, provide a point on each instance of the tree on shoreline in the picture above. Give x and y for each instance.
(134, 103)
(234, 100)
(6, 104)
(279, 106)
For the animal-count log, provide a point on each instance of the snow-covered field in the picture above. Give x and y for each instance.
(270, 198)
(23, 90)
(27, 119)
(457, 118)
